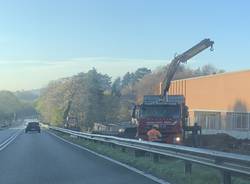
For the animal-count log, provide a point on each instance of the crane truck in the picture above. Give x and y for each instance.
(168, 112)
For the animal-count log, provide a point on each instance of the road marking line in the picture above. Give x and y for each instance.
(149, 176)
(9, 140)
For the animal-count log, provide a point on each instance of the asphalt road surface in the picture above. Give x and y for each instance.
(6, 133)
(35, 158)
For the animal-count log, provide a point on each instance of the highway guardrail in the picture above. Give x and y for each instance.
(228, 163)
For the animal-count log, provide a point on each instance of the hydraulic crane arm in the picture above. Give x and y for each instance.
(182, 58)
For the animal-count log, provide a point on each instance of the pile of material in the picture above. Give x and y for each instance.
(222, 142)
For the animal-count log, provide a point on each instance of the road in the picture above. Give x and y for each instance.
(35, 158)
(6, 133)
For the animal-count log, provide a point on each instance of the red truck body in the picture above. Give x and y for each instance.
(168, 112)
(167, 115)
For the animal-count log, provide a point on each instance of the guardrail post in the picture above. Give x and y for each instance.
(139, 153)
(188, 167)
(226, 177)
(155, 157)
(113, 145)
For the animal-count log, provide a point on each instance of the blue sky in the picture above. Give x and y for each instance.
(43, 40)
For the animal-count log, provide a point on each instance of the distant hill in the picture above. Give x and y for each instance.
(11, 107)
(9, 103)
(28, 95)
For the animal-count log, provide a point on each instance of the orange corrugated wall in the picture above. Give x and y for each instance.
(215, 92)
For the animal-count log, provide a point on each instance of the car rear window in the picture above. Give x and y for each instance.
(33, 124)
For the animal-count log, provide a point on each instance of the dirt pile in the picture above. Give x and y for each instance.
(222, 142)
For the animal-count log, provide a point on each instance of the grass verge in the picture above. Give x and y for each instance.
(169, 169)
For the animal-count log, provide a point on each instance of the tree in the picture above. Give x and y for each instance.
(141, 72)
(96, 99)
(9, 102)
(86, 93)
(93, 101)
(11, 107)
(209, 69)
(129, 79)
(116, 87)
(126, 79)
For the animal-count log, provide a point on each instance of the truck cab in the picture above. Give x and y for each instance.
(167, 115)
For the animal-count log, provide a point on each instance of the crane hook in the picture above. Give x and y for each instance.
(212, 48)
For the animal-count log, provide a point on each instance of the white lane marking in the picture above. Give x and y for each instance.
(149, 176)
(9, 140)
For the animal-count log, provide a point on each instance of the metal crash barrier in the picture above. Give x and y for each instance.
(228, 163)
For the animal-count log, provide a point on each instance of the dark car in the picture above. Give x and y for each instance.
(33, 126)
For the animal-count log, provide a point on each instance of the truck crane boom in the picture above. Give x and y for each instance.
(183, 58)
